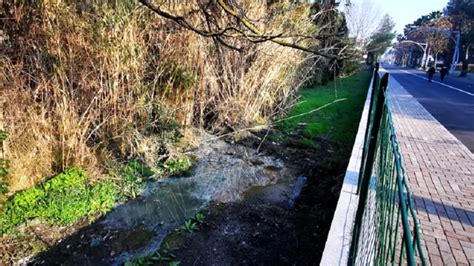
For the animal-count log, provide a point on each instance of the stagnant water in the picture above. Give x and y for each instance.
(222, 173)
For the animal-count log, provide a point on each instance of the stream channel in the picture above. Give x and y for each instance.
(222, 173)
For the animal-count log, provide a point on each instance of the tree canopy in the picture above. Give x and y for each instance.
(382, 37)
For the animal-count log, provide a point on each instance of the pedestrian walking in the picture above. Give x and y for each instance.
(431, 71)
(443, 72)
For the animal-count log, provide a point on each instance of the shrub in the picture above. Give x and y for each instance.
(351, 67)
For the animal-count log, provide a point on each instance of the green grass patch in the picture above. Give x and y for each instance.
(337, 122)
(69, 196)
(61, 200)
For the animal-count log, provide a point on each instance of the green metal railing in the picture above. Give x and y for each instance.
(386, 230)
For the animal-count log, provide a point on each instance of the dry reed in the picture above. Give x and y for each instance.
(84, 83)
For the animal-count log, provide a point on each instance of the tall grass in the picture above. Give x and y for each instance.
(83, 83)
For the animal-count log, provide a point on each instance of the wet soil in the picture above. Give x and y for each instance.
(263, 228)
(264, 225)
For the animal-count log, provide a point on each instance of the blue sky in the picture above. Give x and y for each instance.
(406, 11)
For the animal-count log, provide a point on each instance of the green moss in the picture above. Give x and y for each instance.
(337, 122)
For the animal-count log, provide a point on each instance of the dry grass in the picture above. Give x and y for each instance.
(90, 82)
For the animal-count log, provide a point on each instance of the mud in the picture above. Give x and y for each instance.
(270, 207)
(269, 226)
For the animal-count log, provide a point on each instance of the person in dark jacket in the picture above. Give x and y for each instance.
(431, 71)
(443, 72)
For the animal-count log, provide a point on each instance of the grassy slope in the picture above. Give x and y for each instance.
(337, 122)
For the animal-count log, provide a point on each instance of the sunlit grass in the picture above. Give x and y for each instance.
(337, 122)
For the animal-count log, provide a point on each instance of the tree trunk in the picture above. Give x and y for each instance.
(464, 60)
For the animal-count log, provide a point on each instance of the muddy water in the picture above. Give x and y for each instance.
(222, 173)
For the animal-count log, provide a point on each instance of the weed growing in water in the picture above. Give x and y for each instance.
(189, 226)
(192, 224)
(133, 177)
(158, 257)
(199, 218)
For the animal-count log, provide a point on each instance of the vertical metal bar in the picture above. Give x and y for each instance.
(369, 160)
(392, 206)
(396, 235)
(405, 223)
(382, 188)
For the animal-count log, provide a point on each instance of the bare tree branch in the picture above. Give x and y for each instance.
(249, 32)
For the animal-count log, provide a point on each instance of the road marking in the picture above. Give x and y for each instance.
(440, 83)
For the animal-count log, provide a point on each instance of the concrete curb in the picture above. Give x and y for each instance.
(338, 243)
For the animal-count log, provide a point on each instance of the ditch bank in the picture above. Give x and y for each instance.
(267, 198)
(280, 199)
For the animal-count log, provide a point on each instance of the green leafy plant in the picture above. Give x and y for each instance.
(192, 224)
(158, 257)
(61, 200)
(189, 226)
(3, 175)
(177, 165)
(199, 218)
(133, 178)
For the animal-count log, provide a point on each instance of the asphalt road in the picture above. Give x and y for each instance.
(450, 101)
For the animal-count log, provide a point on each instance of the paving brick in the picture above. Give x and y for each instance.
(454, 243)
(469, 253)
(448, 258)
(436, 260)
(443, 245)
(440, 170)
(460, 256)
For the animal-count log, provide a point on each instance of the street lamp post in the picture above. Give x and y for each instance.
(423, 46)
(457, 41)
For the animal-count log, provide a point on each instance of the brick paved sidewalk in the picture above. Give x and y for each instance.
(440, 170)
